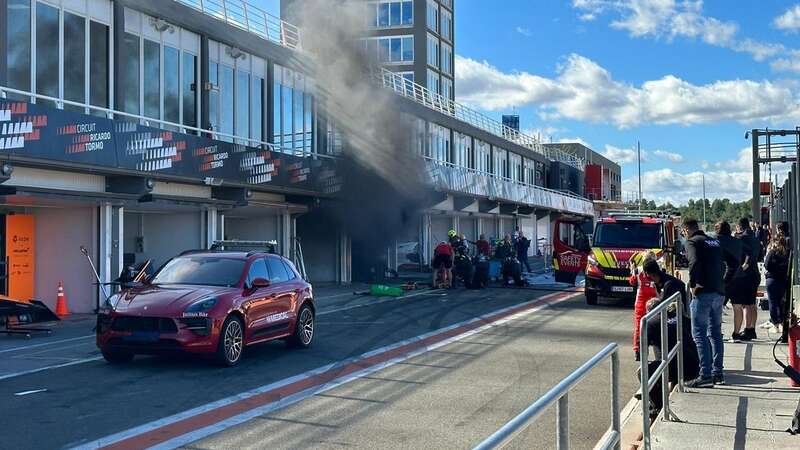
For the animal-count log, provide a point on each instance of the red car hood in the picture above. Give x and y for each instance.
(163, 301)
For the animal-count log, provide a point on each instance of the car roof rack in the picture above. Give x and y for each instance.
(251, 247)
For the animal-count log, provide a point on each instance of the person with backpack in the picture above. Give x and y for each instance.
(776, 264)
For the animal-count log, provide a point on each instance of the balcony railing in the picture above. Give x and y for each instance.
(250, 18)
(444, 105)
(448, 177)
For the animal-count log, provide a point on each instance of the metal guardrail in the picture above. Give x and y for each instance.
(251, 18)
(447, 176)
(418, 93)
(559, 394)
(647, 380)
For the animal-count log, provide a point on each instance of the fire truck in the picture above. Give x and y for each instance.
(619, 239)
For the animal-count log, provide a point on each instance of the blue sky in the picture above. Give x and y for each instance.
(684, 77)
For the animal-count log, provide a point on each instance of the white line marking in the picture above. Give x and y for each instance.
(376, 302)
(35, 391)
(42, 369)
(24, 347)
(235, 420)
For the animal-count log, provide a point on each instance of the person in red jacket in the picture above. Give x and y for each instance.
(645, 290)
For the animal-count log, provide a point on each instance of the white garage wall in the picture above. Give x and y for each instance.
(253, 229)
(59, 235)
(165, 235)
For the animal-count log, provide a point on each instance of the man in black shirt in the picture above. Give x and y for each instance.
(705, 282)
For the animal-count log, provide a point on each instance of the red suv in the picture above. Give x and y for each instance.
(209, 302)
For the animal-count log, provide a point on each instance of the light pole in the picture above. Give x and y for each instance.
(704, 202)
(639, 157)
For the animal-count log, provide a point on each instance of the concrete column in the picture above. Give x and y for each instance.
(210, 226)
(285, 241)
(119, 239)
(478, 227)
(222, 227)
(425, 244)
(455, 224)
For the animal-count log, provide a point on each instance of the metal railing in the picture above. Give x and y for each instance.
(559, 395)
(418, 93)
(250, 18)
(647, 380)
(450, 177)
(158, 123)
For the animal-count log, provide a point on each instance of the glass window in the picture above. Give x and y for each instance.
(19, 53)
(383, 14)
(483, 156)
(290, 269)
(258, 269)
(276, 109)
(226, 101)
(242, 105)
(152, 79)
(201, 270)
(277, 271)
(433, 15)
(172, 85)
(297, 132)
(384, 50)
(446, 25)
(308, 123)
(408, 13)
(433, 81)
(189, 89)
(372, 13)
(98, 65)
(408, 49)
(396, 50)
(257, 111)
(47, 64)
(130, 56)
(287, 118)
(213, 95)
(395, 15)
(447, 88)
(74, 59)
(447, 59)
(433, 51)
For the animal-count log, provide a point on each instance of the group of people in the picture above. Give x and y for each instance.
(722, 268)
(516, 244)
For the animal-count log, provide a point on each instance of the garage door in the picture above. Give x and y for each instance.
(468, 226)
(440, 225)
(489, 227)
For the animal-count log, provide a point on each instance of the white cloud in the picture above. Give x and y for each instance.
(670, 19)
(789, 20)
(622, 155)
(673, 157)
(524, 31)
(570, 140)
(583, 90)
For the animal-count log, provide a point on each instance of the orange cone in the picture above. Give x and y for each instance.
(61, 302)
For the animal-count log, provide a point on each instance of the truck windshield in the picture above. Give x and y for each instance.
(628, 235)
(201, 270)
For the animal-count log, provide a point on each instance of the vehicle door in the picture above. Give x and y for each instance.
(282, 306)
(258, 303)
(570, 248)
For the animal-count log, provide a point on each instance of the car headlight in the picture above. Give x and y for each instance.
(591, 261)
(203, 306)
(112, 301)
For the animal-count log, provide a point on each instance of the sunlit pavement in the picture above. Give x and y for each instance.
(451, 394)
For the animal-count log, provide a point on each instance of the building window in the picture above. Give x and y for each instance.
(189, 89)
(19, 53)
(447, 3)
(433, 15)
(439, 143)
(98, 65)
(483, 156)
(388, 14)
(464, 154)
(151, 78)
(447, 59)
(515, 162)
(47, 61)
(419, 138)
(447, 88)
(433, 51)
(446, 30)
(397, 49)
(433, 81)
(529, 171)
(294, 117)
(130, 77)
(500, 166)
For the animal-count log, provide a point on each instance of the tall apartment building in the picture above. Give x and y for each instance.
(414, 38)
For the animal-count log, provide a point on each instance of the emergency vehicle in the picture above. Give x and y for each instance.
(621, 238)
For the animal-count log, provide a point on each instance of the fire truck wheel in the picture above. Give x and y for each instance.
(591, 298)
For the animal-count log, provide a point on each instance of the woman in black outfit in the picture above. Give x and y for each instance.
(776, 264)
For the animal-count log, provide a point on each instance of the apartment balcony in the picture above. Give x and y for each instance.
(460, 180)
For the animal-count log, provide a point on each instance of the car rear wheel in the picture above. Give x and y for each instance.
(117, 357)
(304, 328)
(591, 297)
(231, 341)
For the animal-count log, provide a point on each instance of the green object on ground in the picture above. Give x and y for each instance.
(381, 290)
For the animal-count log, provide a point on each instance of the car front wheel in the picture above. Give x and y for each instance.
(304, 328)
(231, 341)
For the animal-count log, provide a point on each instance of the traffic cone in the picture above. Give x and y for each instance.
(61, 302)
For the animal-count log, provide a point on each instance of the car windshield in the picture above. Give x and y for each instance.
(628, 235)
(201, 270)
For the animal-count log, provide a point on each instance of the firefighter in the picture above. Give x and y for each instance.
(645, 290)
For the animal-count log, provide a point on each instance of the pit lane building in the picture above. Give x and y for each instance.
(143, 128)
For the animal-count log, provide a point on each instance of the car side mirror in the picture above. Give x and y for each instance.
(258, 283)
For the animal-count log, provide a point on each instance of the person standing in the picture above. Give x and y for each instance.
(705, 282)
(483, 246)
(731, 256)
(522, 245)
(746, 285)
(645, 290)
(776, 264)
